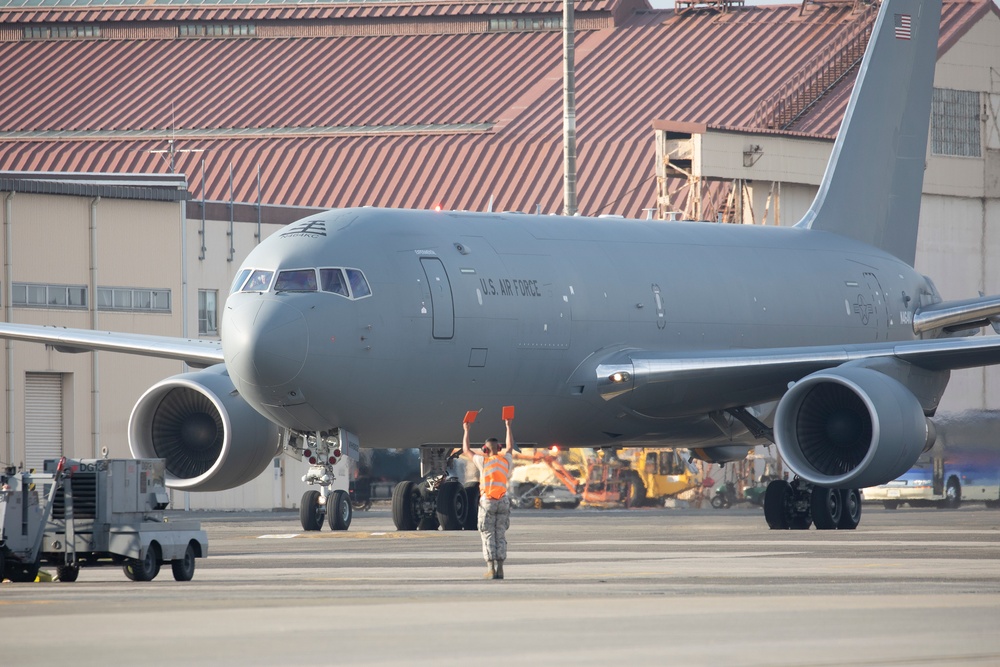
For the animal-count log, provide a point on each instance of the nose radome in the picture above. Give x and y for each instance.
(265, 342)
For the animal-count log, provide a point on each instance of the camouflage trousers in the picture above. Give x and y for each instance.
(494, 518)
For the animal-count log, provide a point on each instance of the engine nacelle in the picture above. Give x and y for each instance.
(850, 427)
(210, 437)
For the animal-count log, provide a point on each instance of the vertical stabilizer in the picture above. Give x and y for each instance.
(872, 185)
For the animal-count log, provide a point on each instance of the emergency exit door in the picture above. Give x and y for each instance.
(442, 303)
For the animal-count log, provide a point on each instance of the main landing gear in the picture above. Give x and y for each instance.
(440, 499)
(799, 504)
(324, 451)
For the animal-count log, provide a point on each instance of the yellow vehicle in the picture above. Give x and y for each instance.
(663, 473)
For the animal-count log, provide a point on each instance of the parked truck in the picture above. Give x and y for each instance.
(92, 512)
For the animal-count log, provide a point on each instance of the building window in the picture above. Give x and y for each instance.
(217, 30)
(34, 295)
(62, 32)
(525, 24)
(207, 312)
(955, 123)
(133, 299)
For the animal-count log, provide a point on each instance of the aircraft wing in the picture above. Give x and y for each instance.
(707, 381)
(198, 353)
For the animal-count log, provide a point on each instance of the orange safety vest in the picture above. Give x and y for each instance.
(496, 471)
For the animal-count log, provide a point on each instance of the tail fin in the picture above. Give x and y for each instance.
(873, 182)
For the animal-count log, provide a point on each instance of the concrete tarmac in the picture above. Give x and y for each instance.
(583, 587)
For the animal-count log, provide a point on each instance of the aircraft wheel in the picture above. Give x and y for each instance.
(339, 511)
(310, 515)
(68, 573)
(472, 495)
(183, 568)
(452, 506)
(827, 506)
(404, 506)
(850, 516)
(777, 498)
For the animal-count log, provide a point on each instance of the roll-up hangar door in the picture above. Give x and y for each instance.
(43, 418)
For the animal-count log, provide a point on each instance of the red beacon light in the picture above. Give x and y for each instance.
(437, 207)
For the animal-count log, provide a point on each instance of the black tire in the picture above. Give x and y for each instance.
(850, 515)
(952, 495)
(776, 499)
(452, 506)
(68, 573)
(890, 504)
(310, 515)
(718, 502)
(145, 568)
(339, 510)
(404, 510)
(21, 573)
(826, 506)
(472, 494)
(183, 568)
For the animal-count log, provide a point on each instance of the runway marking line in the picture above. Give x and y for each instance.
(340, 535)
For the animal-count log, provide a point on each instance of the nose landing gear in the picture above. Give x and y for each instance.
(323, 451)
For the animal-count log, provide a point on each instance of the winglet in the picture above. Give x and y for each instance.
(873, 182)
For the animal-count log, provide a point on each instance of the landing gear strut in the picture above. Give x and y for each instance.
(439, 499)
(323, 450)
(798, 504)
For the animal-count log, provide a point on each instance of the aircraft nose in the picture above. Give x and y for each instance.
(265, 342)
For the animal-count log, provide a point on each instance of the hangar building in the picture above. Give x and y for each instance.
(147, 145)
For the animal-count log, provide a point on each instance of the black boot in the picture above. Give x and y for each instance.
(499, 570)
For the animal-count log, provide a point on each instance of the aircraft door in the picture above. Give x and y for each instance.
(442, 302)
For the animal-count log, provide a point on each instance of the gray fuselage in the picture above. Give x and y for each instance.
(471, 311)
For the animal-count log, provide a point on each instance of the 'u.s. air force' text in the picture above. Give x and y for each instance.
(509, 287)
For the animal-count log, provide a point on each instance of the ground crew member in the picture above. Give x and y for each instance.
(494, 466)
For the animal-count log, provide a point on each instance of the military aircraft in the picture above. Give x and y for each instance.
(382, 327)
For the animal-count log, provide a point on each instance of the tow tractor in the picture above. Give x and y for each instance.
(90, 512)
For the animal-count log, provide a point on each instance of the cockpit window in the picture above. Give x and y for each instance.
(359, 285)
(333, 281)
(298, 280)
(258, 282)
(240, 279)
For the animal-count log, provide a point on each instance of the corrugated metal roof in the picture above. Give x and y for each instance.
(703, 67)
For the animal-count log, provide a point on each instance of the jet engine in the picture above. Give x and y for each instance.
(850, 427)
(210, 437)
